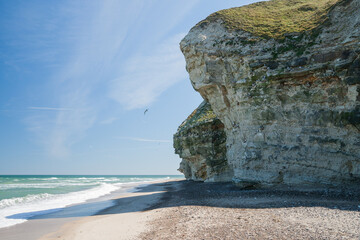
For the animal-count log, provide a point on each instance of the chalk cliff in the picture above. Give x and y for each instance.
(201, 143)
(281, 84)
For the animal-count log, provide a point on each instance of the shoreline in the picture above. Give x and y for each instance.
(195, 210)
(40, 225)
(127, 219)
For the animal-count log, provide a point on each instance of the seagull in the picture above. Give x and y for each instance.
(146, 111)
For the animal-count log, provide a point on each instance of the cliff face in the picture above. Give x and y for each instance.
(200, 142)
(288, 95)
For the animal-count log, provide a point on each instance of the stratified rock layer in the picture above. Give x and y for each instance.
(290, 104)
(200, 142)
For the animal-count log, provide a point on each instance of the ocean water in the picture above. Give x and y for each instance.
(24, 196)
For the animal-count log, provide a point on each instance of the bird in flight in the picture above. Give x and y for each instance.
(146, 111)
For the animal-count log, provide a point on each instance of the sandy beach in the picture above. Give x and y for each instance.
(122, 204)
(195, 210)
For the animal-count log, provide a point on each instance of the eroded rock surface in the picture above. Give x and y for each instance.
(200, 142)
(290, 103)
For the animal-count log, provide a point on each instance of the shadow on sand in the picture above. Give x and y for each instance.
(185, 193)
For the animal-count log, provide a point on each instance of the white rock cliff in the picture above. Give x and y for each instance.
(289, 105)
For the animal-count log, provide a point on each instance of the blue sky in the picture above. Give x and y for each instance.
(77, 76)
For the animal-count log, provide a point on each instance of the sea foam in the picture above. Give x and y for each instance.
(18, 210)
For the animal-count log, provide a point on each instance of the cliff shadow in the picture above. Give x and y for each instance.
(220, 195)
(229, 196)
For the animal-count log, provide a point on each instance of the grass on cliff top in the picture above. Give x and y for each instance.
(201, 114)
(272, 19)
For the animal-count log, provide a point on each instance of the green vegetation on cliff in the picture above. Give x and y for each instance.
(275, 18)
(202, 114)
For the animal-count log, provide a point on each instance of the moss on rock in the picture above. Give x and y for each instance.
(201, 142)
(273, 19)
(202, 114)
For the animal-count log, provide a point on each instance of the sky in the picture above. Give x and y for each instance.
(77, 76)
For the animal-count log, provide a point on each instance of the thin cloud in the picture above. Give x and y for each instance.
(145, 77)
(51, 108)
(106, 56)
(145, 140)
(94, 49)
(108, 121)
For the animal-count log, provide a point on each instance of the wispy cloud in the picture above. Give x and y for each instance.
(145, 77)
(105, 64)
(144, 140)
(109, 120)
(51, 108)
(93, 50)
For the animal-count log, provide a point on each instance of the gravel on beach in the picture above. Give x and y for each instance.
(195, 210)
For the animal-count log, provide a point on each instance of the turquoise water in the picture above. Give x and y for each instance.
(20, 194)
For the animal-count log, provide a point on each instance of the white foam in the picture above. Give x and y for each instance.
(23, 200)
(32, 205)
(18, 210)
(46, 179)
(45, 185)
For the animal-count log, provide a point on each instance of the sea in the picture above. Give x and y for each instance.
(23, 197)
